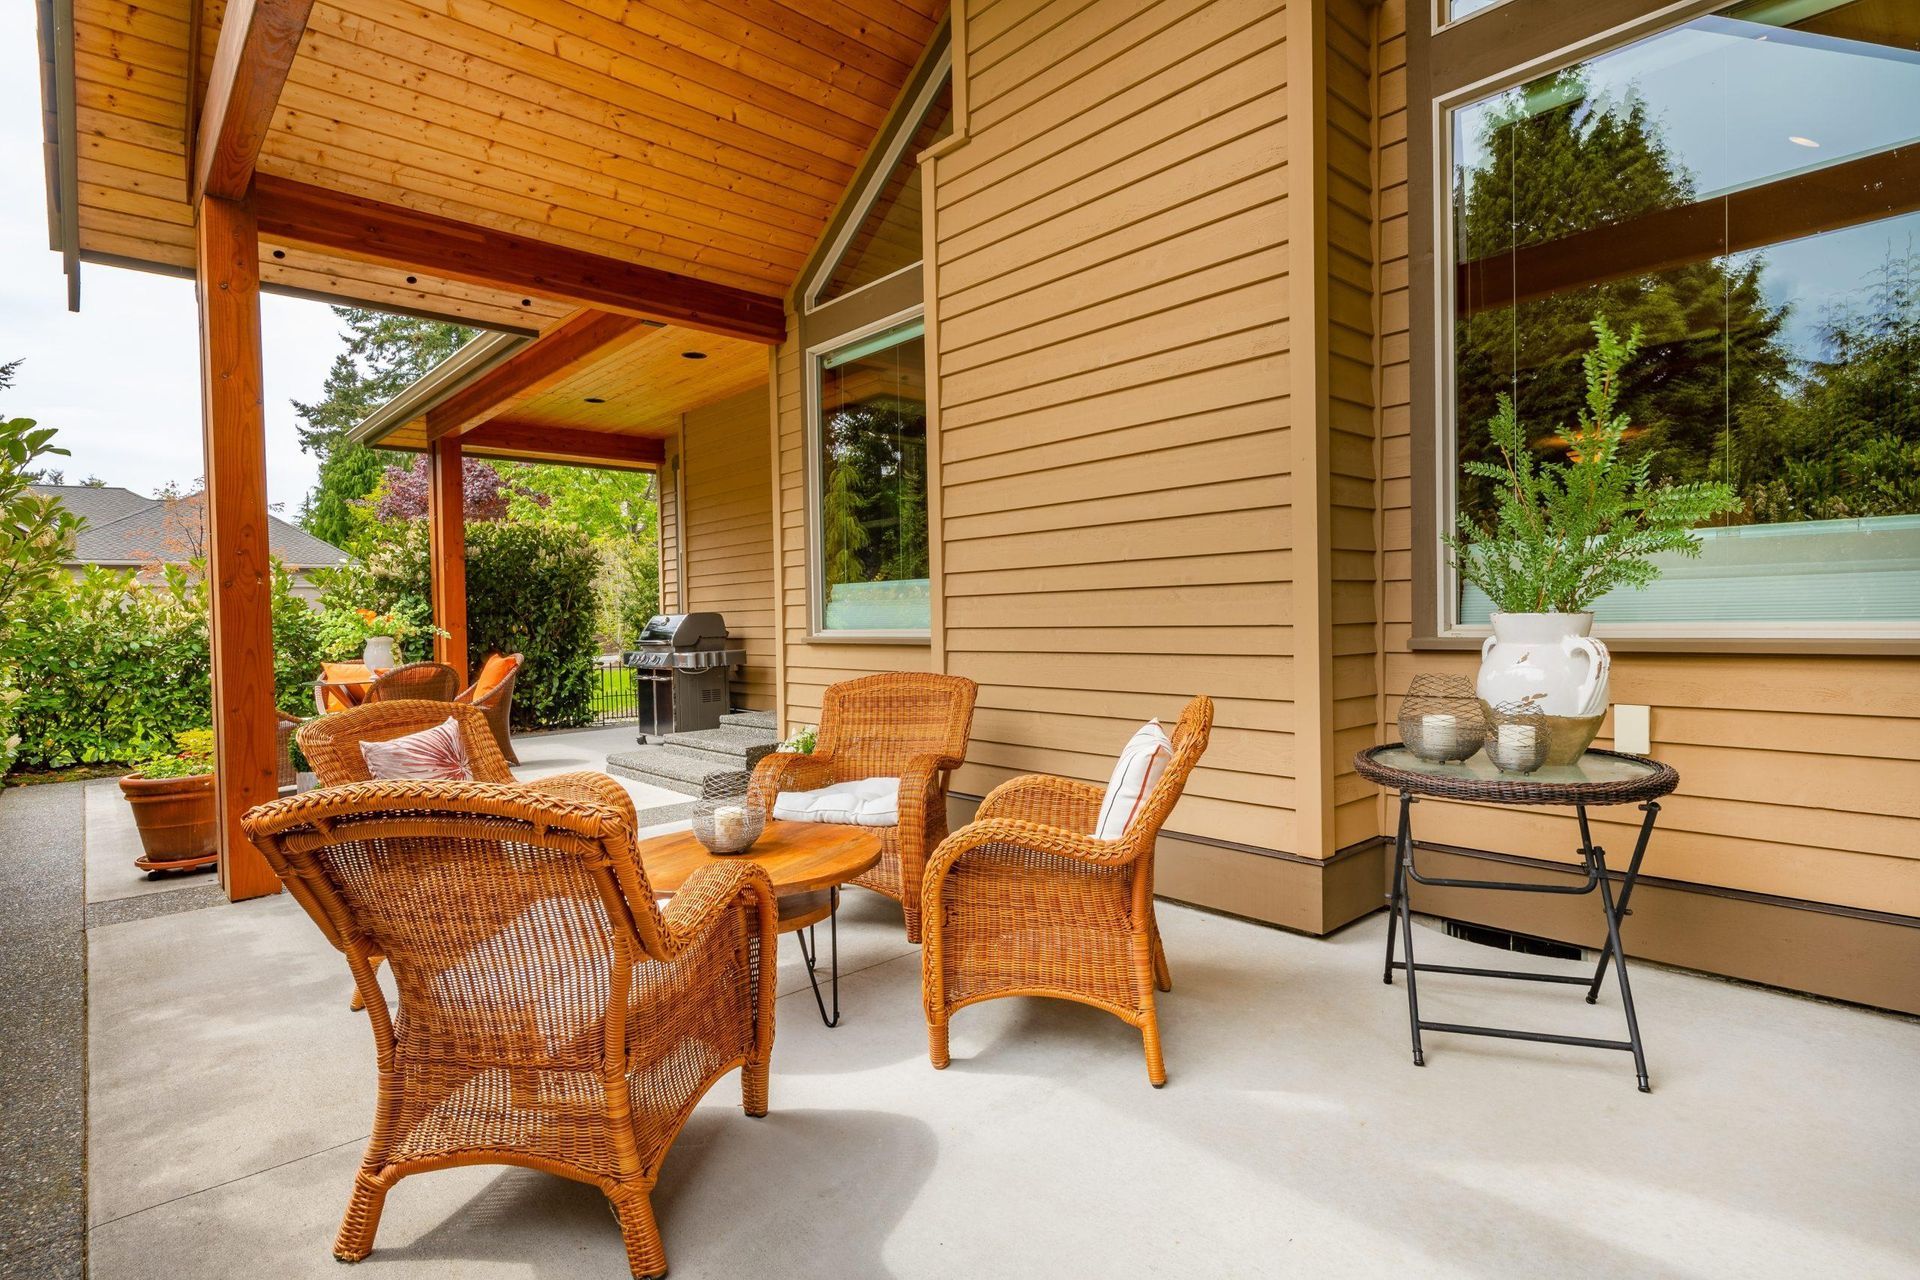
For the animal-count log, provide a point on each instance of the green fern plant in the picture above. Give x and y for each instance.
(1565, 534)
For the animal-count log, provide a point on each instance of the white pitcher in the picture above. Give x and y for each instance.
(378, 655)
(1548, 659)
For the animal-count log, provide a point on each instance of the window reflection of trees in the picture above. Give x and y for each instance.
(1825, 432)
(873, 509)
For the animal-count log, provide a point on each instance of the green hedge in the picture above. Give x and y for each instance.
(530, 590)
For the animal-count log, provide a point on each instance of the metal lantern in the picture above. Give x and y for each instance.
(1518, 736)
(1440, 718)
(727, 817)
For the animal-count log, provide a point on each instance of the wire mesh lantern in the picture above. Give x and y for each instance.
(726, 818)
(1440, 719)
(1518, 736)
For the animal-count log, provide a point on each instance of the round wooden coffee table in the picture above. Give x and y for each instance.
(807, 862)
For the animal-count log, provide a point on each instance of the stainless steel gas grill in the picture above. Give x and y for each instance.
(680, 673)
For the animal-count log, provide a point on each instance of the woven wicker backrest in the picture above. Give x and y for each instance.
(1189, 744)
(429, 681)
(872, 725)
(331, 743)
(511, 918)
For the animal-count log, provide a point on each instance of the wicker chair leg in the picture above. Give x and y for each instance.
(359, 1004)
(753, 1087)
(362, 1220)
(1150, 1037)
(1162, 976)
(646, 1255)
(937, 1044)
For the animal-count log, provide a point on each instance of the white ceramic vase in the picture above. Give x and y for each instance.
(1550, 661)
(378, 655)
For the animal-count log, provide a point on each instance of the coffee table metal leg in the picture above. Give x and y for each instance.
(1599, 857)
(1399, 887)
(1620, 912)
(1404, 854)
(810, 951)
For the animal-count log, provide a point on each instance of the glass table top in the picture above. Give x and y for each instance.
(1591, 768)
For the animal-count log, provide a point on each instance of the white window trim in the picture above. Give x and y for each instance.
(813, 365)
(1446, 423)
(889, 160)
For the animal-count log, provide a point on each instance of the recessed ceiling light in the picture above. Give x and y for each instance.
(596, 400)
(694, 355)
(1799, 141)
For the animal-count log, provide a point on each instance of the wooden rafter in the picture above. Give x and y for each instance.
(532, 369)
(372, 231)
(258, 39)
(566, 444)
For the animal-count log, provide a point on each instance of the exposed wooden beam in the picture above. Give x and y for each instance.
(1840, 195)
(447, 552)
(372, 231)
(258, 39)
(532, 369)
(566, 444)
(239, 573)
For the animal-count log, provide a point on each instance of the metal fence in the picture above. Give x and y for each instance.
(614, 700)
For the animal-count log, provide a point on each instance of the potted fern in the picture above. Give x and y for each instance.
(1562, 535)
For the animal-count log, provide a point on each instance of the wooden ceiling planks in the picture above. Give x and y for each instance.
(648, 384)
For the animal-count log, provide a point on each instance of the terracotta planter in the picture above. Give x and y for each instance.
(178, 819)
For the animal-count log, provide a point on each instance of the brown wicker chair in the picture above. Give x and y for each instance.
(550, 1014)
(497, 702)
(1023, 902)
(331, 743)
(909, 725)
(421, 681)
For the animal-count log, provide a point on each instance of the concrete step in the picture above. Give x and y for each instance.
(669, 767)
(749, 720)
(741, 746)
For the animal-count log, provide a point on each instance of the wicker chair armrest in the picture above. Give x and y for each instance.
(589, 787)
(1063, 803)
(790, 771)
(1026, 835)
(710, 893)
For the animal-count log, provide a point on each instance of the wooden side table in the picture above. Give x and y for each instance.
(807, 862)
(1596, 778)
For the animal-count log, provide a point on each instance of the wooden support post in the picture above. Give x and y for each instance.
(447, 558)
(239, 576)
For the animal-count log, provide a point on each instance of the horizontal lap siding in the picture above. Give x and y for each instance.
(1800, 776)
(1111, 302)
(729, 529)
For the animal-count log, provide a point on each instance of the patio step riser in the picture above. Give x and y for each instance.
(748, 720)
(739, 748)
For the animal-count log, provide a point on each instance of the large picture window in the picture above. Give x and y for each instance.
(870, 484)
(1745, 188)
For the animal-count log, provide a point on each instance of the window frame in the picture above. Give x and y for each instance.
(1450, 67)
(813, 365)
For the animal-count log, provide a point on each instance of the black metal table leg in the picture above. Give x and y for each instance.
(1652, 810)
(1599, 857)
(810, 953)
(1399, 886)
(1405, 855)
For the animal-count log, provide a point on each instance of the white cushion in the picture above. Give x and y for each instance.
(433, 755)
(1140, 765)
(863, 802)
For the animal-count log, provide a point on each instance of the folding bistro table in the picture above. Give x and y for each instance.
(1596, 778)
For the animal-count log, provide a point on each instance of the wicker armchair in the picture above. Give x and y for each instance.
(585, 1064)
(1022, 902)
(497, 702)
(331, 743)
(423, 681)
(909, 725)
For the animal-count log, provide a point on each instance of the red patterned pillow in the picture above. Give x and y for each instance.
(431, 755)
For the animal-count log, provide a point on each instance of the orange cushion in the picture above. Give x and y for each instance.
(493, 673)
(339, 697)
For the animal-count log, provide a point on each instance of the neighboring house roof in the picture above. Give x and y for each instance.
(123, 528)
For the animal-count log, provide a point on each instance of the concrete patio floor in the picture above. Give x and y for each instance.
(230, 1093)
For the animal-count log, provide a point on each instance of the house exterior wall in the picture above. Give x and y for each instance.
(1169, 328)
(724, 455)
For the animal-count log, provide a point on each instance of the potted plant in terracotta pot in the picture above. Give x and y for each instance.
(1563, 535)
(173, 805)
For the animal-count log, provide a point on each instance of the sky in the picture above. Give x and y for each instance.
(120, 379)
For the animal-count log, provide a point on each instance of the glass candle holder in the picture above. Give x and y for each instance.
(1518, 737)
(1440, 719)
(725, 817)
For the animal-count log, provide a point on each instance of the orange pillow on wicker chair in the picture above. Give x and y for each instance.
(493, 673)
